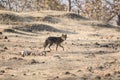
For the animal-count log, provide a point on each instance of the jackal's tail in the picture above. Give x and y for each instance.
(45, 44)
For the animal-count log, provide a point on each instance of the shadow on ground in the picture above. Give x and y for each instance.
(51, 19)
(36, 28)
(74, 16)
(10, 17)
(107, 26)
(14, 31)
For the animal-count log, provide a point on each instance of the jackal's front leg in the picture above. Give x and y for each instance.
(56, 46)
(50, 46)
(61, 46)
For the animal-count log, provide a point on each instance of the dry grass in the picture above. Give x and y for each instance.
(91, 52)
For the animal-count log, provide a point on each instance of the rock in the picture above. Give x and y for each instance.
(98, 78)
(67, 73)
(43, 53)
(5, 37)
(90, 69)
(20, 58)
(100, 67)
(57, 56)
(5, 48)
(2, 72)
(8, 68)
(97, 43)
(16, 58)
(34, 74)
(12, 75)
(33, 61)
(1, 33)
(79, 71)
(108, 75)
(116, 72)
(43, 62)
(83, 78)
(55, 78)
(25, 53)
(24, 74)
(73, 43)
(13, 58)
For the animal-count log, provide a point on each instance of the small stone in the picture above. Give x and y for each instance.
(33, 61)
(97, 43)
(12, 75)
(2, 71)
(9, 68)
(5, 48)
(5, 37)
(67, 73)
(20, 58)
(25, 53)
(16, 36)
(101, 67)
(24, 74)
(79, 70)
(83, 78)
(43, 62)
(1, 33)
(90, 69)
(108, 75)
(117, 72)
(13, 58)
(34, 74)
(57, 76)
(57, 56)
(97, 78)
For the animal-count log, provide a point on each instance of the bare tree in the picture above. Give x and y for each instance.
(103, 10)
(32, 5)
(69, 5)
(114, 10)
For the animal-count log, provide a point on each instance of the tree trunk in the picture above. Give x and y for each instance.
(69, 6)
(44, 4)
(118, 22)
(23, 7)
(9, 4)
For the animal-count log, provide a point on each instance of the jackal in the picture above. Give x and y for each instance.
(55, 40)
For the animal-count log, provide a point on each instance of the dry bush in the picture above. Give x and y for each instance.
(36, 28)
(74, 16)
(8, 18)
(51, 19)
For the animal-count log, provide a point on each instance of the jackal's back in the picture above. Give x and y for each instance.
(54, 40)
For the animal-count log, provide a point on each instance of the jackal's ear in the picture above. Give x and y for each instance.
(65, 34)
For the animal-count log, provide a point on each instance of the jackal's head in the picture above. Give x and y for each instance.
(64, 36)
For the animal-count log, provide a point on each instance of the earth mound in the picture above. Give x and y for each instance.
(11, 17)
(37, 28)
(51, 19)
(74, 16)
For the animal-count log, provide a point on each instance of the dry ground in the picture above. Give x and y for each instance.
(92, 49)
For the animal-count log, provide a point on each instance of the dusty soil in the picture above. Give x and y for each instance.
(91, 52)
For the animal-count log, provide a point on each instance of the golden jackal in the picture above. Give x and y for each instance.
(55, 40)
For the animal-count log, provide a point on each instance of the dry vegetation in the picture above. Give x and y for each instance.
(92, 48)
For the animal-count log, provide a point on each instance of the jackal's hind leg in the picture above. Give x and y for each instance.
(50, 46)
(45, 44)
(56, 46)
